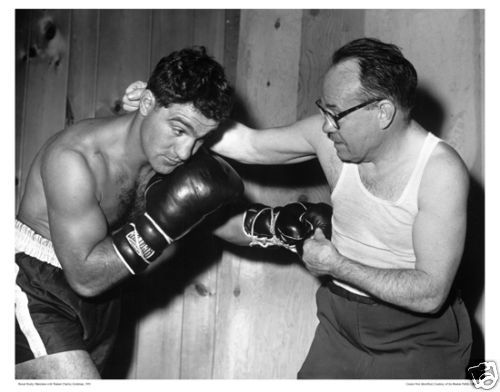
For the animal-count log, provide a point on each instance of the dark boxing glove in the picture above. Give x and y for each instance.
(176, 203)
(286, 226)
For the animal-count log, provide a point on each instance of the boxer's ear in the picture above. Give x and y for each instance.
(147, 102)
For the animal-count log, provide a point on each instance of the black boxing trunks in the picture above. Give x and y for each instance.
(50, 316)
(362, 338)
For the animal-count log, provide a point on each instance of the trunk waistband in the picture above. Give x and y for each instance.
(34, 245)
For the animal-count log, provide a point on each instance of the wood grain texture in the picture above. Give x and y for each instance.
(231, 39)
(268, 65)
(23, 18)
(83, 63)
(265, 309)
(159, 336)
(323, 31)
(209, 28)
(45, 99)
(199, 316)
(172, 30)
(266, 315)
(124, 55)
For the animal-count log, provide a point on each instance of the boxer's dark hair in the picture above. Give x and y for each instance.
(191, 76)
(384, 72)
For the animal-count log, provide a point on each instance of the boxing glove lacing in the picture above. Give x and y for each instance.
(264, 242)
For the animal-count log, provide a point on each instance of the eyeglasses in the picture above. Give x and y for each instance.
(333, 119)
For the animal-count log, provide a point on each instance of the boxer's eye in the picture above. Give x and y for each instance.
(178, 131)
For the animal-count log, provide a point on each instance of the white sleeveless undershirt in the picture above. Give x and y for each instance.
(374, 231)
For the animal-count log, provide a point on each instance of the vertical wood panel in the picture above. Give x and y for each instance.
(198, 322)
(172, 30)
(124, 55)
(22, 58)
(478, 64)
(265, 313)
(159, 336)
(45, 101)
(268, 64)
(209, 32)
(177, 29)
(323, 31)
(231, 39)
(83, 63)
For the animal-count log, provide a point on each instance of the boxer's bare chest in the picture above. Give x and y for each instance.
(121, 195)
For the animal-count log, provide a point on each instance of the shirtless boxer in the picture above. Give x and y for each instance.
(399, 216)
(73, 241)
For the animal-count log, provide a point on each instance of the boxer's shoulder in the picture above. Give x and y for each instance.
(80, 147)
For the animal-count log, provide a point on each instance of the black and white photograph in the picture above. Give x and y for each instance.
(249, 194)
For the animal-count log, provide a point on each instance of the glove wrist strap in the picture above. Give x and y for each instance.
(132, 250)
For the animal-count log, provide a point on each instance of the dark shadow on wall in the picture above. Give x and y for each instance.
(470, 276)
(428, 112)
(469, 281)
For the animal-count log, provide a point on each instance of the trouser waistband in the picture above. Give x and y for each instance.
(34, 245)
(340, 291)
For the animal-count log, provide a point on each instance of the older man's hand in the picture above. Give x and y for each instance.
(319, 255)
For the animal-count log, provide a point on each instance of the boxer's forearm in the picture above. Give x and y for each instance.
(92, 274)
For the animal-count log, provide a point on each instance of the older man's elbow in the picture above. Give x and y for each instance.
(432, 304)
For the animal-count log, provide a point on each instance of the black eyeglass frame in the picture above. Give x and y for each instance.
(334, 118)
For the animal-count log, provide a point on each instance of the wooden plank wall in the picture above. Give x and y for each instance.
(22, 39)
(219, 311)
(45, 84)
(266, 302)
